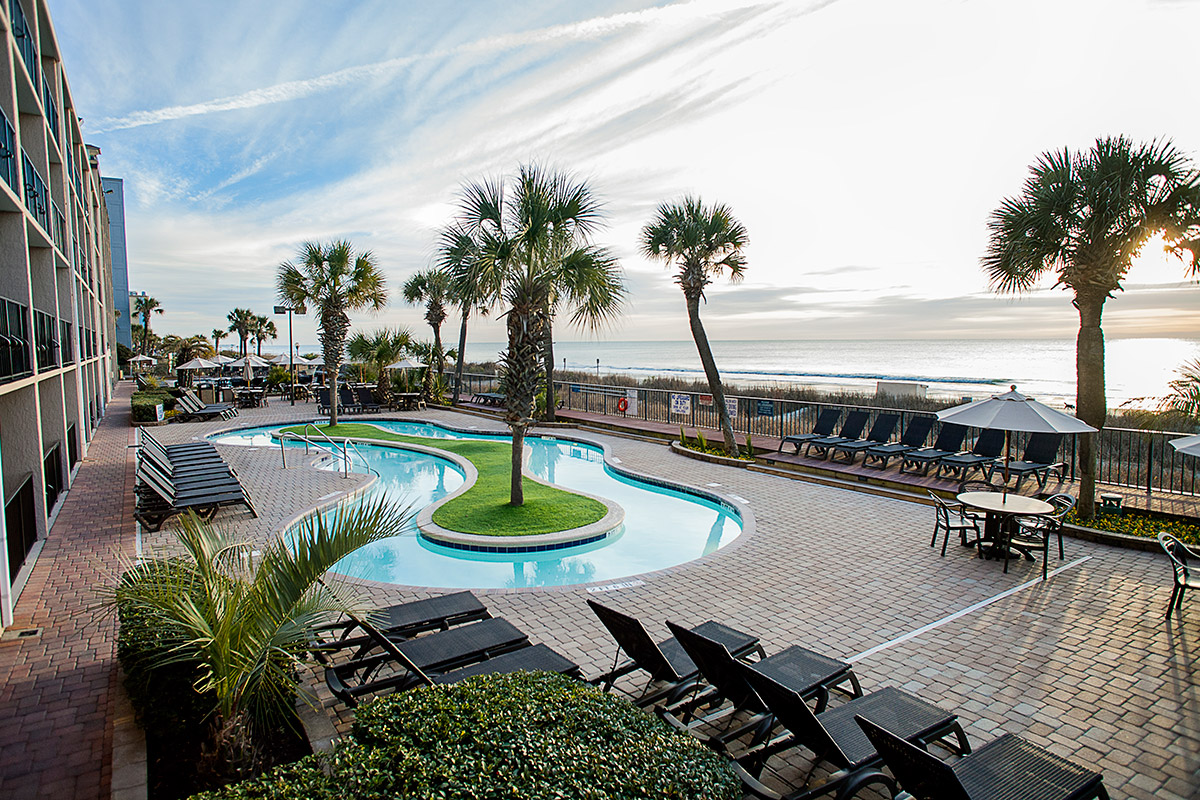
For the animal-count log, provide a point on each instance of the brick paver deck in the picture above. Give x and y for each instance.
(56, 690)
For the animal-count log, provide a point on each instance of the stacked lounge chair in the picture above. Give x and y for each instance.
(191, 477)
(189, 407)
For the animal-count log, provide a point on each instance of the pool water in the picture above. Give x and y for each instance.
(663, 527)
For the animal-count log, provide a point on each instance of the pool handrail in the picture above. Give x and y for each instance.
(293, 435)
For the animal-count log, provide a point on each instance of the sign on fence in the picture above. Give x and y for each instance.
(681, 403)
(704, 399)
(731, 407)
(631, 400)
(765, 408)
(575, 387)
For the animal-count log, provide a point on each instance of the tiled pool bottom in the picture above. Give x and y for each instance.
(663, 526)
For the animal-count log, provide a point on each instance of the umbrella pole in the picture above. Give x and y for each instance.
(1007, 450)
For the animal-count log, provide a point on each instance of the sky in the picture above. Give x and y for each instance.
(863, 144)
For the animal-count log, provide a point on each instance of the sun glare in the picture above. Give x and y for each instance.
(1154, 264)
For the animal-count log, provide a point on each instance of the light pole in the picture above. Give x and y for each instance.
(289, 310)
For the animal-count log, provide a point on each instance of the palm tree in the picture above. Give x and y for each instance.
(1184, 396)
(702, 242)
(264, 328)
(333, 280)
(145, 306)
(533, 241)
(243, 618)
(431, 287)
(217, 335)
(473, 285)
(380, 348)
(1083, 217)
(242, 322)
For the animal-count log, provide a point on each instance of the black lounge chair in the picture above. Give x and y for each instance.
(1008, 767)
(952, 517)
(1183, 560)
(988, 447)
(191, 394)
(402, 621)
(852, 428)
(665, 662)
(810, 675)
(347, 401)
(366, 400)
(198, 454)
(1039, 460)
(1033, 533)
(158, 500)
(914, 437)
(948, 442)
(188, 407)
(880, 432)
(323, 404)
(833, 736)
(439, 658)
(826, 422)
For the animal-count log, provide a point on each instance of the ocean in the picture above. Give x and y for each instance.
(1044, 369)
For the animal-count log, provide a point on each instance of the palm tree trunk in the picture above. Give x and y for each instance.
(462, 348)
(710, 371)
(516, 489)
(334, 326)
(548, 366)
(437, 350)
(1090, 399)
(526, 332)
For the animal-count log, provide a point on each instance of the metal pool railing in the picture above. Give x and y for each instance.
(1135, 459)
(345, 447)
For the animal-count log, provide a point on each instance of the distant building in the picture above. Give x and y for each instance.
(114, 191)
(57, 362)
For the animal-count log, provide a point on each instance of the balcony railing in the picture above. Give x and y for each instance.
(51, 108)
(45, 337)
(25, 43)
(64, 342)
(58, 230)
(37, 199)
(8, 152)
(15, 351)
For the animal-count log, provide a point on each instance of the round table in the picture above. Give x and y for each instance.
(1000, 508)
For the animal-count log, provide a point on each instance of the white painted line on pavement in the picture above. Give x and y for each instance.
(961, 613)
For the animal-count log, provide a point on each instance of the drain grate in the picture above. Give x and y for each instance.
(21, 634)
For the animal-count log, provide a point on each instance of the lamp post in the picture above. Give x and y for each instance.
(289, 310)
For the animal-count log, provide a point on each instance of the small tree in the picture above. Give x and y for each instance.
(145, 306)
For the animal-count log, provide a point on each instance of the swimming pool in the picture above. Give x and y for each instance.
(663, 526)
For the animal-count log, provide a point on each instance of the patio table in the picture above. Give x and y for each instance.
(1001, 509)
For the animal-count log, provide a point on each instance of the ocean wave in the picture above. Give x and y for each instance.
(873, 376)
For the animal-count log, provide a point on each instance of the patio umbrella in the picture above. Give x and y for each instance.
(137, 361)
(1013, 411)
(199, 363)
(1188, 445)
(249, 362)
(406, 363)
(221, 360)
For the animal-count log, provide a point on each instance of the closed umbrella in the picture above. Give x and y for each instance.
(248, 363)
(1188, 445)
(1013, 411)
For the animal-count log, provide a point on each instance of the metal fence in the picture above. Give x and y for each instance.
(1136, 459)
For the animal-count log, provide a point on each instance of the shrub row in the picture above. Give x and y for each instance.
(143, 403)
(527, 735)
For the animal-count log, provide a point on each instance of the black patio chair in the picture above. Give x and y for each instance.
(443, 658)
(347, 401)
(826, 422)
(948, 442)
(1033, 533)
(852, 428)
(988, 447)
(914, 437)
(666, 662)
(952, 517)
(1182, 557)
(810, 675)
(158, 500)
(833, 736)
(323, 404)
(1008, 767)
(1039, 460)
(880, 432)
(401, 621)
(366, 400)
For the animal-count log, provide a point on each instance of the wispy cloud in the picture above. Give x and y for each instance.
(596, 28)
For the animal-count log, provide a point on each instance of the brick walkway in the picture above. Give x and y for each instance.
(56, 690)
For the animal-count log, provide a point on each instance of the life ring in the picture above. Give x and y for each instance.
(622, 405)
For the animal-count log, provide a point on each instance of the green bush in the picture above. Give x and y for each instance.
(527, 735)
(143, 403)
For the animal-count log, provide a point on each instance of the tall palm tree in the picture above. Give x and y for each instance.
(242, 322)
(217, 335)
(380, 348)
(701, 242)
(533, 240)
(473, 286)
(1083, 217)
(264, 329)
(145, 306)
(431, 287)
(244, 618)
(1184, 395)
(334, 280)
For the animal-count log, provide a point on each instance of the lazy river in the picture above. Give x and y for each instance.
(663, 526)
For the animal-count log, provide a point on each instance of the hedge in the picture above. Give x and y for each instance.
(526, 735)
(143, 403)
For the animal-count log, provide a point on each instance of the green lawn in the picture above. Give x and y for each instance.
(484, 509)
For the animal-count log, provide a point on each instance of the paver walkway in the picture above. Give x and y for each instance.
(56, 690)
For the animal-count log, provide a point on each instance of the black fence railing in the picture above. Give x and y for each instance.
(15, 350)
(37, 199)
(51, 108)
(45, 337)
(1129, 458)
(8, 153)
(25, 44)
(64, 342)
(58, 230)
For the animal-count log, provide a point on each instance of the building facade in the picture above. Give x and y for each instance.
(114, 198)
(56, 303)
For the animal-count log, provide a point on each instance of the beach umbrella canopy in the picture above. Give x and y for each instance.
(1013, 411)
(406, 363)
(1188, 445)
(250, 361)
(220, 359)
(142, 360)
(298, 360)
(198, 363)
